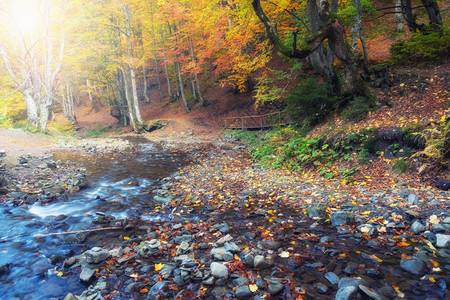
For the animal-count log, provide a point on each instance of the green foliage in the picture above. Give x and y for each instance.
(357, 109)
(422, 48)
(311, 102)
(65, 128)
(97, 132)
(347, 12)
(401, 165)
(436, 142)
(285, 148)
(267, 89)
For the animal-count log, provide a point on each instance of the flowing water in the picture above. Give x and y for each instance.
(118, 185)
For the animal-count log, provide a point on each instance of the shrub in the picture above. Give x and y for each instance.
(422, 48)
(311, 102)
(357, 109)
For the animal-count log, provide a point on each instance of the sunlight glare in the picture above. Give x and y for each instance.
(25, 15)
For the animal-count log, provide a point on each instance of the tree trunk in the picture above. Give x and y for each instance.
(88, 85)
(357, 31)
(434, 13)
(322, 59)
(398, 16)
(32, 108)
(180, 79)
(131, 115)
(145, 86)
(197, 82)
(332, 30)
(134, 108)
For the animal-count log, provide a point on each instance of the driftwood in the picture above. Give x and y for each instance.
(80, 231)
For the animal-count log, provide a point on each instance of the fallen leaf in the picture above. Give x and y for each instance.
(253, 288)
(158, 267)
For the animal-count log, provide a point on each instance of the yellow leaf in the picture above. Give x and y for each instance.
(344, 182)
(393, 204)
(126, 238)
(60, 274)
(377, 258)
(158, 267)
(367, 212)
(432, 279)
(253, 288)
(354, 203)
(135, 275)
(236, 257)
(429, 244)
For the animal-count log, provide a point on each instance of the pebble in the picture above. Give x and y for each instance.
(243, 292)
(218, 270)
(417, 227)
(442, 240)
(341, 218)
(346, 293)
(413, 265)
(332, 277)
(371, 293)
(86, 275)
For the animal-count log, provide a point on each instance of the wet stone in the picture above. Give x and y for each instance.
(413, 199)
(243, 292)
(332, 277)
(96, 255)
(413, 265)
(417, 227)
(349, 281)
(371, 293)
(442, 240)
(341, 218)
(183, 238)
(261, 262)
(87, 275)
(346, 293)
(275, 288)
(240, 281)
(218, 270)
(321, 287)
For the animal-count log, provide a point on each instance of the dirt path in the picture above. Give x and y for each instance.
(16, 142)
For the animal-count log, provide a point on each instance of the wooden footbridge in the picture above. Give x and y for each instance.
(258, 121)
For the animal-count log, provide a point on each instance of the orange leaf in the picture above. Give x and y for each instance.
(143, 291)
(434, 263)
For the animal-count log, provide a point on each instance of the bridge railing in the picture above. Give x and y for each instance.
(258, 121)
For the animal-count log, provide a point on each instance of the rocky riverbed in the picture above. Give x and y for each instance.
(225, 228)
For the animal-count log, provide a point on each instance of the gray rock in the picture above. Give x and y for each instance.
(96, 255)
(221, 254)
(341, 218)
(249, 259)
(243, 292)
(442, 240)
(76, 238)
(183, 238)
(240, 281)
(232, 247)
(413, 199)
(413, 265)
(261, 262)
(69, 296)
(86, 275)
(224, 239)
(270, 245)
(275, 288)
(346, 293)
(321, 287)
(349, 281)
(371, 293)
(332, 277)
(417, 227)
(218, 270)
(316, 212)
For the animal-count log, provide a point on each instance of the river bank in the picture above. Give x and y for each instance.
(224, 227)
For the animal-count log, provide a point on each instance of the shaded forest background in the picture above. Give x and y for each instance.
(125, 63)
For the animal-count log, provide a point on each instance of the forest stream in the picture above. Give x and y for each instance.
(117, 185)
